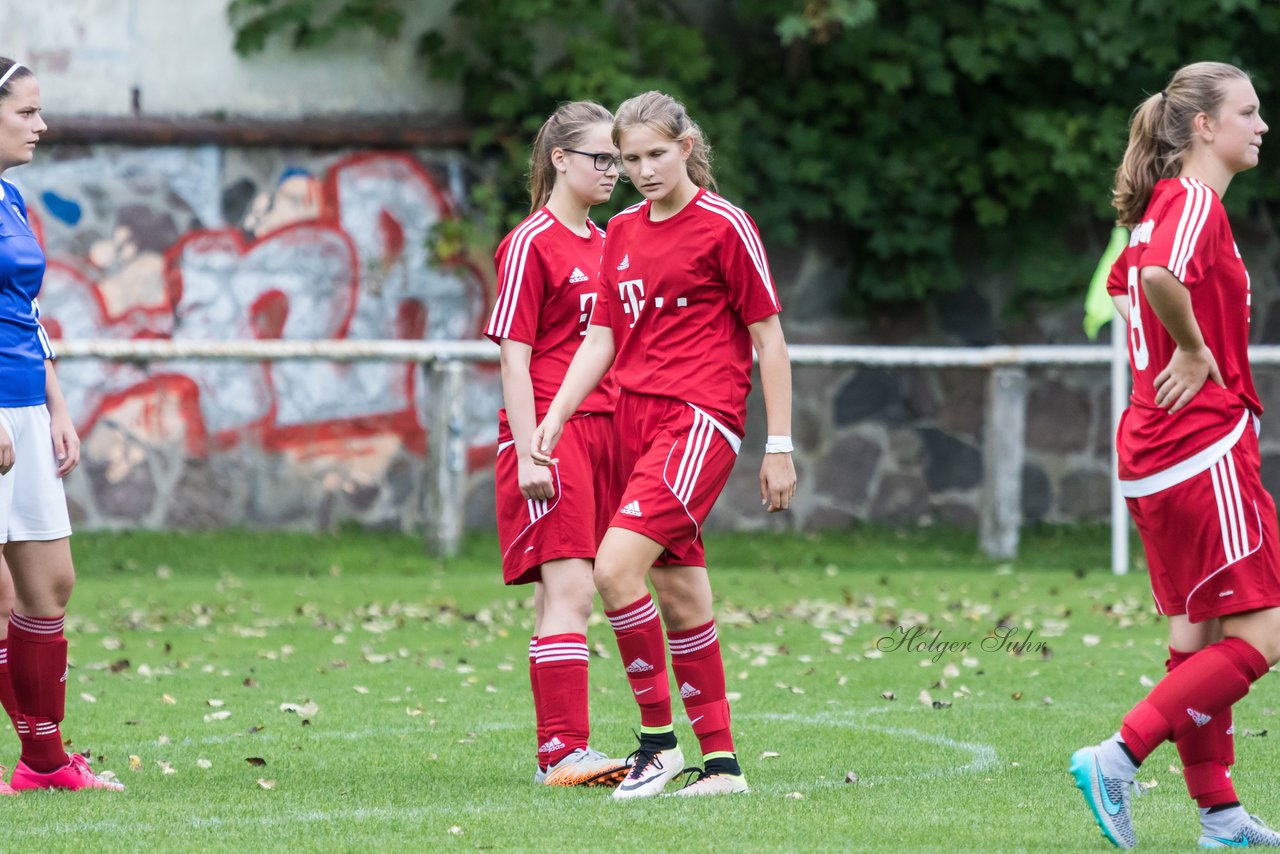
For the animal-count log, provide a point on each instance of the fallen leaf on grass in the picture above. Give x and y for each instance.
(266, 784)
(1146, 681)
(135, 762)
(1017, 695)
(87, 697)
(360, 689)
(217, 716)
(256, 761)
(308, 708)
(165, 767)
(941, 704)
(1251, 734)
(794, 796)
(889, 695)
(769, 754)
(119, 666)
(1091, 640)
(217, 704)
(925, 698)
(851, 777)
(168, 699)
(455, 830)
(204, 763)
(1149, 784)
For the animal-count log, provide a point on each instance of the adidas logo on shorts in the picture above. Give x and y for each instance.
(632, 509)
(626, 263)
(687, 691)
(552, 746)
(1199, 717)
(578, 276)
(639, 666)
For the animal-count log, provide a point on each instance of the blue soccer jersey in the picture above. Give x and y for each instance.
(24, 346)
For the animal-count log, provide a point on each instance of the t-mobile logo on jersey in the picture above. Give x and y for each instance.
(632, 294)
(587, 303)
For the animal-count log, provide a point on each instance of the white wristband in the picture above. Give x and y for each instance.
(778, 445)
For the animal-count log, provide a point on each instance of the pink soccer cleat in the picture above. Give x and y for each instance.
(5, 788)
(73, 776)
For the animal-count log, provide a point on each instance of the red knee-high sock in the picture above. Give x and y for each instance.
(644, 656)
(561, 673)
(38, 672)
(537, 702)
(1207, 752)
(695, 658)
(1205, 685)
(7, 699)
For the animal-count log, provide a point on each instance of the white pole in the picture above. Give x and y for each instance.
(1119, 399)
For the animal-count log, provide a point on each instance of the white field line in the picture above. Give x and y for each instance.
(982, 758)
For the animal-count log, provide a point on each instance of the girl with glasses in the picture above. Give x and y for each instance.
(550, 520)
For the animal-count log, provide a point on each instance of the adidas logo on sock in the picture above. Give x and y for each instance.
(639, 666)
(65, 671)
(687, 691)
(552, 746)
(578, 276)
(626, 263)
(632, 509)
(1199, 717)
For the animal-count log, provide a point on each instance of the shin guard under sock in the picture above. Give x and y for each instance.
(38, 673)
(1207, 753)
(1206, 684)
(561, 675)
(699, 670)
(639, 633)
(7, 700)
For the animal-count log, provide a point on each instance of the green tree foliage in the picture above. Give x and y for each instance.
(927, 140)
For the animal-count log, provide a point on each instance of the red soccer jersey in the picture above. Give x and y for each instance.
(1184, 230)
(547, 289)
(681, 293)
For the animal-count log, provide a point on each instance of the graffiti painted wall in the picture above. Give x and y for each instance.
(209, 243)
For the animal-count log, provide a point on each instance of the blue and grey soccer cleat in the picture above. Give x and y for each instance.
(1250, 831)
(1107, 797)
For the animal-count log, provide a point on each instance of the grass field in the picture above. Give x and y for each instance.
(269, 692)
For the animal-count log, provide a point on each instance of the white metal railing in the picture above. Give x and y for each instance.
(1004, 440)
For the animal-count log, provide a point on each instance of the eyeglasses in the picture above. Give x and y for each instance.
(603, 161)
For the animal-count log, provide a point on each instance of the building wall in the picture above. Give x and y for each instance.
(91, 55)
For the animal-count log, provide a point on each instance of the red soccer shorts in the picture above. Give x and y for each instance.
(1211, 540)
(673, 462)
(568, 525)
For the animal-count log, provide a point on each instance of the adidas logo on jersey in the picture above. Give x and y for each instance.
(626, 263)
(578, 276)
(687, 691)
(632, 509)
(639, 666)
(552, 746)
(1199, 717)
